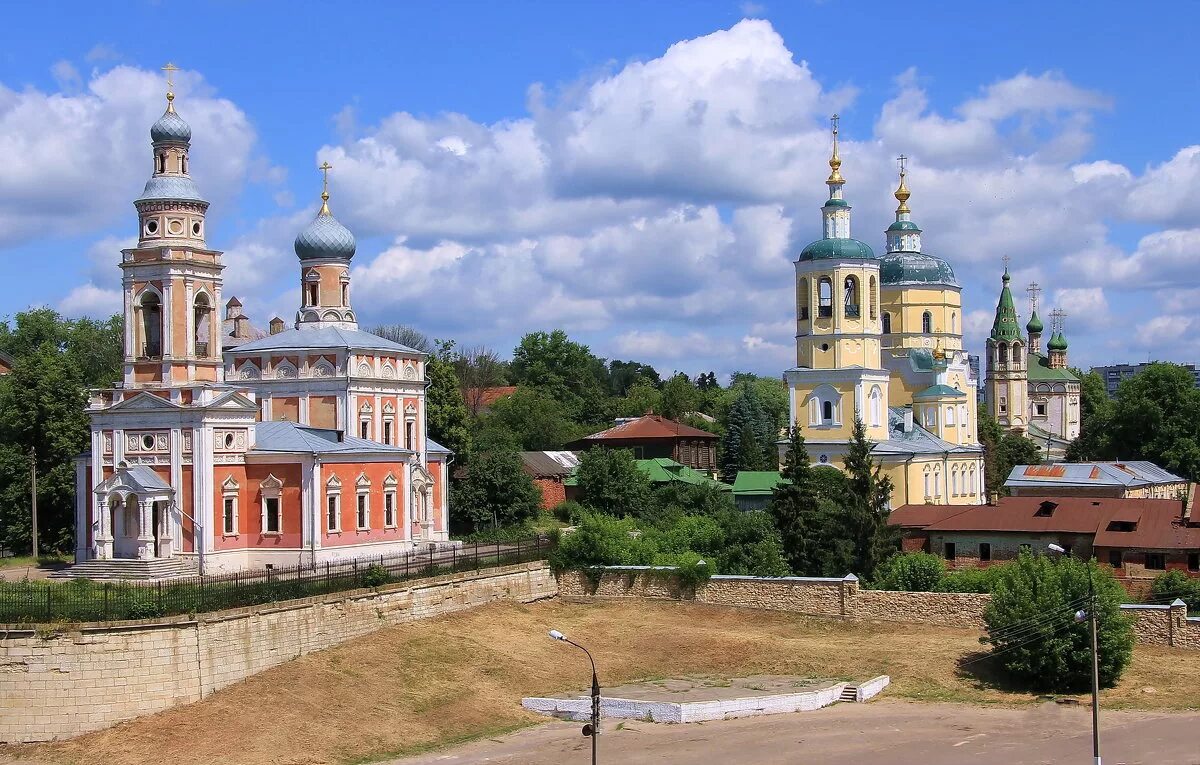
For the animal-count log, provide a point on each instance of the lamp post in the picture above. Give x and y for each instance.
(592, 729)
(1091, 617)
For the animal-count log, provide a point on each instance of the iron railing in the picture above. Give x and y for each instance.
(84, 600)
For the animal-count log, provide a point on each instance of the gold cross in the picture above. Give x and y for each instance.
(833, 122)
(170, 69)
(325, 168)
(903, 160)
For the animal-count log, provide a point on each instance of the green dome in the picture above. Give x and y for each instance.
(1057, 342)
(903, 225)
(1035, 324)
(837, 249)
(905, 267)
(836, 203)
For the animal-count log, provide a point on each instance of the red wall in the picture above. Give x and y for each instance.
(250, 506)
(348, 474)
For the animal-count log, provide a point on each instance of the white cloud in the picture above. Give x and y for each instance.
(90, 300)
(1085, 307)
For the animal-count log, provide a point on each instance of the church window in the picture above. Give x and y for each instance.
(389, 502)
(850, 298)
(827, 412)
(1003, 405)
(183, 163)
(196, 228)
(333, 512)
(152, 227)
(363, 518)
(229, 515)
(162, 163)
(364, 429)
(927, 323)
(928, 485)
(151, 326)
(201, 313)
(887, 323)
(1002, 353)
(876, 406)
(802, 298)
(931, 417)
(974, 485)
(272, 521)
(954, 481)
(314, 294)
(874, 300)
(148, 442)
(1016, 354)
(1039, 408)
(953, 323)
(409, 427)
(950, 415)
(388, 424)
(825, 297)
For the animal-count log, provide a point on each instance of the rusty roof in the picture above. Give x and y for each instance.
(648, 427)
(920, 516)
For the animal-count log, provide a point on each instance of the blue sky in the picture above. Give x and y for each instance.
(640, 174)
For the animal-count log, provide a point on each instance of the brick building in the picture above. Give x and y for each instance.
(653, 436)
(548, 470)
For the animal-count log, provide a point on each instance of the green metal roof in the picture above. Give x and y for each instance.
(903, 225)
(665, 470)
(837, 249)
(836, 203)
(1057, 342)
(940, 391)
(1006, 326)
(915, 267)
(751, 482)
(1035, 324)
(1039, 370)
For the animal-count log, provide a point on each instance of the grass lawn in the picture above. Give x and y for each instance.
(419, 686)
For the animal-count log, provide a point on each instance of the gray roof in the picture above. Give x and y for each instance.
(1129, 474)
(433, 447)
(915, 441)
(289, 437)
(325, 337)
(173, 187)
(141, 479)
(325, 238)
(551, 463)
(915, 268)
(170, 127)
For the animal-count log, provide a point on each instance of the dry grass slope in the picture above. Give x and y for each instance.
(427, 684)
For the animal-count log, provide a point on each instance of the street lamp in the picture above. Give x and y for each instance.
(1091, 617)
(592, 729)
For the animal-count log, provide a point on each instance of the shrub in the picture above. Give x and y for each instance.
(598, 540)
(1033, 631)
(495, 490)
(568, 511)
(911, 572)
(375, 576)
(610, 482)
(1176, 584)
(977, 580)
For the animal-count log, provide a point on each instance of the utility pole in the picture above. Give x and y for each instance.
(33, 497)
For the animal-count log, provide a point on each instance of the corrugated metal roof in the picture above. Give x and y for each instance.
(757, 482)
(289, 437)
(549, 463)
(920, 516)
(1136, 473)
(649, 426)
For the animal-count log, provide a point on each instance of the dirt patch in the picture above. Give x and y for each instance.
(406, 689)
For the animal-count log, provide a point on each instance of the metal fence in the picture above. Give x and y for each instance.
(83, 600)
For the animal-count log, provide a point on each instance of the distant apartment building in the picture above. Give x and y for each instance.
(1114, 374)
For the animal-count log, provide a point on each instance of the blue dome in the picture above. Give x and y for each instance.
(325, 239)
(170, 127)
(837, 249)
(908, 267)
(170, 187)
(903, 225)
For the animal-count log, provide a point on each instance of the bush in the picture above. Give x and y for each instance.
(568, 511)
(977, 580)
(911, 572)
(1176, 584)
(1033, 631)
(496, 489)
(610, 482)
(375, 576)
(598, 540)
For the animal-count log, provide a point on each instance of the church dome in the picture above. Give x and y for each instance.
(1035, 325)
(905, 267)
(836, 249)
(903, 225)
(1057, 342)
(325, 239)
(177, 188)
(170, 128)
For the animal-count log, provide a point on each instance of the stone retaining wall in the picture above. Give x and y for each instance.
(57, 684)
(844, 599)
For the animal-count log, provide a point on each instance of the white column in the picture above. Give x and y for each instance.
(406, 501)
(145, 536)
(82, 501)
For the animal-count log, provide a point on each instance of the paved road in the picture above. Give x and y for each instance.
(884, 731)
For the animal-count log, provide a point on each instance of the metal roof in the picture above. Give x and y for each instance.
(1040, 369)
(757, 482)
(549, 463)
(289, 437)
(1129, 474)
(649, 426)
(176, 187)
(325, 337)
(915, 441)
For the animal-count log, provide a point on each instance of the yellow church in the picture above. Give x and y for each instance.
(882, 337)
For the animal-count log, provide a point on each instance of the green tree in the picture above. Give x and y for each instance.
(446, 412)
(565, 370)
(911, 572)
(639, 399)
(1033, 631)
(679, 396)
(495, 488)
(868, 494)
(529, 419)
(610, 482)
(1095, 416)
(1176, 584)
(1002, 451)
(623, 375)
(478, 368)
(742, 446)
(1156, 417)
(796, 511)
(405, 335)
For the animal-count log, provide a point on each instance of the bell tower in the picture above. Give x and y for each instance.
(171, 280)
(325, 249)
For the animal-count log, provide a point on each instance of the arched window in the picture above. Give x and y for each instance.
(162, 163)
(954, 480)
(1016, 354)
(928, 485)
(950, 415)
(972, 487)
(825, 297)
(850, 298)
(802, 299)
(1002, 353)
(151, 326)
(827, 412)
(876, 406)
(183, 163)
(201, 316)
(953, 322)
(314, 294)
(874, 296)
(887, 323)
(927, 323)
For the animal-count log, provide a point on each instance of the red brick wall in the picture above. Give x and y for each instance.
(553, 491)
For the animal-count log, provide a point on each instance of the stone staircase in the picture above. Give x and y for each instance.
(129, 568)
(849, 694)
